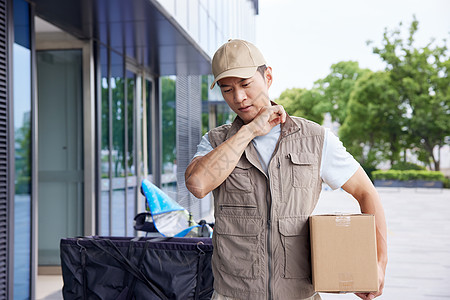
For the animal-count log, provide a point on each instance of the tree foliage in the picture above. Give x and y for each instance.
(420, 75)
(303, 103)
(372, 130)
(168, 120)
(337, 87)
(406, 106)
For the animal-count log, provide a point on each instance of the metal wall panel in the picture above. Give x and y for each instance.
(188, 123)
(4, 107)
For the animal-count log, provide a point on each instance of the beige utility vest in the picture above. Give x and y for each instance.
(261, 232)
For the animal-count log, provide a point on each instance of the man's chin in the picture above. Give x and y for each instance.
(246, 117)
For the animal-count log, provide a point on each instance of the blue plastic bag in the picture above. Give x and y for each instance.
(169, 217)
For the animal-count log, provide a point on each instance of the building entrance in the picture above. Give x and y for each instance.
(60, 150)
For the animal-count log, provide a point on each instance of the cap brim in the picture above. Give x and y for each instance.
(237, 72)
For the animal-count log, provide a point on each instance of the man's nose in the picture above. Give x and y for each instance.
(239, 95)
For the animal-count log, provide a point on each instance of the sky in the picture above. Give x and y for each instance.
(301, 39)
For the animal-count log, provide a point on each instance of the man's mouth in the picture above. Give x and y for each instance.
(245, 108)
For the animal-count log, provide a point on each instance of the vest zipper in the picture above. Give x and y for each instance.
(269, 259)
(279, 178)
(269, 214)
(231, 206)
(269, 220)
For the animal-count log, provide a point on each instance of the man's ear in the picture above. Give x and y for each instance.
(268, 76)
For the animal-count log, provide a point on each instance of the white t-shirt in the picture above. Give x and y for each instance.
(337, 164)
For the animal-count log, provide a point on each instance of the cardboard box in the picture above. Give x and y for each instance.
(344, 253)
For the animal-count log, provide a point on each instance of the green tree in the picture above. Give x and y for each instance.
(22, 146)
(302, 103)
(420, 75)
(337, 87)
(118, 126)
(205, 99)
(168, 120)
(372, 130)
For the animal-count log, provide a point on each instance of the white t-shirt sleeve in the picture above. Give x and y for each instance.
(337, 164)
(204, 147)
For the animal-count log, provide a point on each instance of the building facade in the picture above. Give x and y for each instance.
(96, 95)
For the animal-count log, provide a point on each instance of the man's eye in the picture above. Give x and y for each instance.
(246, 84)
(227, 91)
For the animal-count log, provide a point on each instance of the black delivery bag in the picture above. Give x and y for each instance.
(121, 268)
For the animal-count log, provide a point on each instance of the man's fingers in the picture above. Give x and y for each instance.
(368, 296)
(364, 296)
(269, 117)
(281, 112)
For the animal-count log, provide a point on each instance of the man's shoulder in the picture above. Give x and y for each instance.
(218, 135)
(308, 127)
(222, 129)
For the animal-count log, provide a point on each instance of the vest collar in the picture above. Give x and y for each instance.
(287, 127)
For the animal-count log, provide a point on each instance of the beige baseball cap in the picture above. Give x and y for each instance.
(236, 58)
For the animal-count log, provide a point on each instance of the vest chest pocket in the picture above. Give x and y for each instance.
(303, 165)
(239, 246)
(295, 239)
(239, 180)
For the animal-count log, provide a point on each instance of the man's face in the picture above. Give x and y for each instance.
(246, 96)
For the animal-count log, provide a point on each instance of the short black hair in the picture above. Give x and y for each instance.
(261, 69)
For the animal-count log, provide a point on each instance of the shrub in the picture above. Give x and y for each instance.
(447, 183)
(403, 165)
(408, 175)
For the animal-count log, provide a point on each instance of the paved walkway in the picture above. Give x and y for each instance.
(418, 243)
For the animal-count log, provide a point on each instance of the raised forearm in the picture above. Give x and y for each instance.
(206, 173)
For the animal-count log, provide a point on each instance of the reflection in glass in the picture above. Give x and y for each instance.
(148, 101)
(118, 145)
(104, 152)
(169, 170)
(205, 107)
(21, 69)
(60, 154)
(131, 159)
(131, 83)
(22, 145)
(131, 196)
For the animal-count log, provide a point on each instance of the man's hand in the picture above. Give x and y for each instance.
(373, 295)
(267, 118)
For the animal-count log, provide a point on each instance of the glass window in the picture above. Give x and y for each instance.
(169, 163)
(118, 145)
(131, 90)
(181, 12)
(220, 37)
(211, 36)
(149, 117)
(203, 28)
(205, 106)
(193, 19)
(169, 5)
(104, 152)
(212, 8)
(131, 152)
(225, 18)
(22, 145)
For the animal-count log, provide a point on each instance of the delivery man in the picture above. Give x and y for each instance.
(266, 171)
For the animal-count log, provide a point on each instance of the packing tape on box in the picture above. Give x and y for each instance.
(345, 282)
(343, 221)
